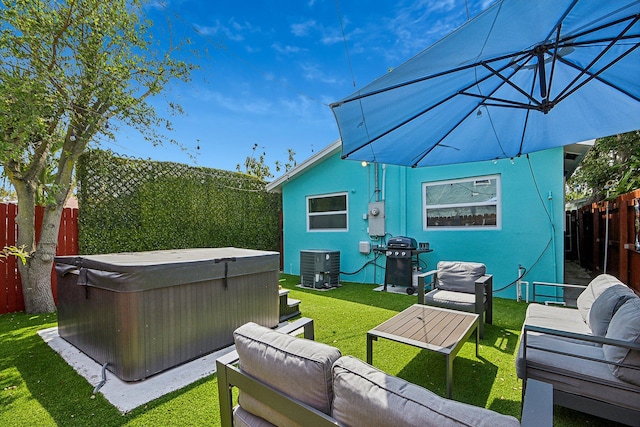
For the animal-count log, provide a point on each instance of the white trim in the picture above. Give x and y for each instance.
(276, 185)
(345, 212)
(475, 180)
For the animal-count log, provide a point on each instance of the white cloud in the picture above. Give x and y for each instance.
(303, 29)
(286, 49)
(231, 30)
(244, 103)
(312, 72)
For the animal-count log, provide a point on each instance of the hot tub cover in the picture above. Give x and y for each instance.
(139, 271)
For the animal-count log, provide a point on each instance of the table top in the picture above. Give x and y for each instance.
(432, 328)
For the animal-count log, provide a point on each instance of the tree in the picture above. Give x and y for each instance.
(614, 160)
(258, 167)
(68, 71)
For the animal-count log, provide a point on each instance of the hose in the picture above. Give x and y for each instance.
(104, 378)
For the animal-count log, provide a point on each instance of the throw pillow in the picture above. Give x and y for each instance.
(625, 326)
(593, 291)
(606, 306)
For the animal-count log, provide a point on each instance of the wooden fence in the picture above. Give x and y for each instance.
(11, 299)
(608, 231)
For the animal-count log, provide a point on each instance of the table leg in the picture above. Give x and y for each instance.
(477, 341)
(370, 339)
(449, 376)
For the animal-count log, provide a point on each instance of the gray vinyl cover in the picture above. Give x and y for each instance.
(140, 271)
(145, 312)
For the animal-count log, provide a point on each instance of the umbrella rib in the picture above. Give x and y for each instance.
(566, 40)
(526, 117)
(425, 78)
(426, 153)
(510, 83)
(415, 116)
(596, 76)
(553, 61)
(585, 71)
(562, 18)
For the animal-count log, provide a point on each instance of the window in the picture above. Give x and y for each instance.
(462, 203)
(327, 212)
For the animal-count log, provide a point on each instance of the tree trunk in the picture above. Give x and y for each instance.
(36, 284)
(36, 273)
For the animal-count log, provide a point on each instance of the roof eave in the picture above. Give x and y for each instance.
(276, 185)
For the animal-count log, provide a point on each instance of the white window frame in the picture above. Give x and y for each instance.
(344, 212)
(470, 181)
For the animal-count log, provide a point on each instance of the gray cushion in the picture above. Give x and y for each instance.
(459, 276)
(625, 325)
(454, 300)
(606, 305)
(365, 396)
(554, 317)
(298, 367)
(242, 418)
(593, 291)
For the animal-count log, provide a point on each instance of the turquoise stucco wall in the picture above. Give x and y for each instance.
(526, 237)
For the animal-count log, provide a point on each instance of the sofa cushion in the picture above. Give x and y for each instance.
(595, 288)
(625, 325)
(606, 305)
(459, 276)
(242, 418)
(454, 300)
(299, 368)
(366, 396)
(555, 317)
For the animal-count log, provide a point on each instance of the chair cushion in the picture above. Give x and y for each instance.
(459, 276)
(625, 325)
(366, 396)
(606, 305)
(298, 367)
(454, 300)
(242, 418)
(595, 288)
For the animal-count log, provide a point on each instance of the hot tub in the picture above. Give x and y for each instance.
(144, 312)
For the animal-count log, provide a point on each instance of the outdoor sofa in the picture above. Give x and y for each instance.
(591, 354)
(290, 381)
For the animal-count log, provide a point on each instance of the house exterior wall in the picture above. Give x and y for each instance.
(526, 236)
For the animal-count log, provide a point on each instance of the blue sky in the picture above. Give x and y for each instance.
(269, 69)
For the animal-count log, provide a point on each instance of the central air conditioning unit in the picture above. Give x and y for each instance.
(320, 269)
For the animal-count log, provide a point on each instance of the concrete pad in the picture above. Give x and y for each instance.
(127, 396)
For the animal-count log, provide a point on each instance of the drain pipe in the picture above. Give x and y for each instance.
(553, 237)
(104, 379)
(607, 187)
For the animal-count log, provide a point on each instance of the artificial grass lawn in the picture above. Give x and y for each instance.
(37, 388)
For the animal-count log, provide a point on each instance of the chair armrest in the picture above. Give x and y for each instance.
(297, 411)
(576, 336)
(537, 405)
(556, 285)
(421, 285)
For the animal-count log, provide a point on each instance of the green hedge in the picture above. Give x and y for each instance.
(140, 205)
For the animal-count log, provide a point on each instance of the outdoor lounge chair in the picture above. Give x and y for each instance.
(463, 286)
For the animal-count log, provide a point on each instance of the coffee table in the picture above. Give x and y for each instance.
(435, 329)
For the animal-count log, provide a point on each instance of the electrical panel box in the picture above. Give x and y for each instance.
(364, 247)
(320, 268)
(376, 219)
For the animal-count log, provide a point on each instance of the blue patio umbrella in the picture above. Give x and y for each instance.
(522, 76)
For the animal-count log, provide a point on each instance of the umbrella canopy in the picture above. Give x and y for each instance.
(522, 76)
